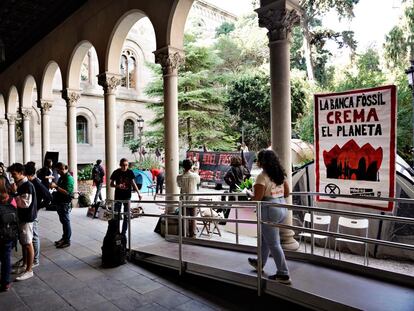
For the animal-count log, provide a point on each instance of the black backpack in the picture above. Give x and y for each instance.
(114, 249)
(8, 223)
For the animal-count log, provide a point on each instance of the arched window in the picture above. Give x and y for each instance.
(128, 69)
(81, 130)
(129, 131)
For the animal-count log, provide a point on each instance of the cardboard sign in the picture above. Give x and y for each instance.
(355, 145)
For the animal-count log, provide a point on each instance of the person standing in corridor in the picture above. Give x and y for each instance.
(63, 200)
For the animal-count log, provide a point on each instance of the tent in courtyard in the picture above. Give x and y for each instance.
(144, 178)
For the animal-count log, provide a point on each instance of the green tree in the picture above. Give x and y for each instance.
(202, 119)
(315, 35)
(248, 102)
(399, 42)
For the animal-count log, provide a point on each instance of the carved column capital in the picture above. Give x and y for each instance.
(45, 105)
(71, 97)
(278, 20)
(11, 118)
(27, 114)
(2, 122)
(170, 59)
(109, 82)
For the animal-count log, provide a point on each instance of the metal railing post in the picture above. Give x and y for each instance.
(312, 235)
(129, 230)
(259, 249)
(180, 237)
(237, 223)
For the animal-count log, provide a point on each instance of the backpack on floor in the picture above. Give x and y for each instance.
(114, 249)
(8, 223)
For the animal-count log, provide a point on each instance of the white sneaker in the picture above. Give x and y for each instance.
(35, 264)
(26, 275)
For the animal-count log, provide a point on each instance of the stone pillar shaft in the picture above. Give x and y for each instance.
(11, 118)
(170, 59)
(110, 82)
(72, 97)
(279, 22)
(26, 114)
(45, 107)
(1, 141)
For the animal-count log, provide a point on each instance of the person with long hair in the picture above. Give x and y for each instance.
(271, 186)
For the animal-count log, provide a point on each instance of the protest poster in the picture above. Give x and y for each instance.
(214, 165)
(355, 145)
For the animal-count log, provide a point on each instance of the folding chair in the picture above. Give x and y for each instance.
(345, 224)
(208, 212)
(320, 222)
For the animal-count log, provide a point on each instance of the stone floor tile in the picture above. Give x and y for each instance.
(46, 301)
(167, 297)
(131, 302)
(193, 305)
(102, 306)
(83, 298)
(11, 301)
(30, 287)
(151, 307)
(110, 288)
(120, 273)
(141, 284)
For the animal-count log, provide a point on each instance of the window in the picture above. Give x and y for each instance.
(129, 132)
(128, 69)
(81, 130)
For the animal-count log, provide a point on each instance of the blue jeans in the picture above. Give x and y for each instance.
(63, 210)
(36, 241)
(98, 192)
(117, 208)
(5, 252)
(271, 237)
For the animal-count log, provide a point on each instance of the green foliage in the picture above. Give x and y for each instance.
(225, 29)
(367, 73)
(85, 173)
(146, 163)
(202, 119)
(247, 184)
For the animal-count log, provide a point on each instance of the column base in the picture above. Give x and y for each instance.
(288, 242)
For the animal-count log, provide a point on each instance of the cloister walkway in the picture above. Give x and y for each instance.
(72, 279)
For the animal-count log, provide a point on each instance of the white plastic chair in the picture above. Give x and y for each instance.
(321, 222)
(350, 223)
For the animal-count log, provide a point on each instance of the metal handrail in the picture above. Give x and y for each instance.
(259, 222)
(350, 196)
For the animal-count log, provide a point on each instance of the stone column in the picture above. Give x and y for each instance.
(1, 140)
(170, 59)
(45, 106)
(26, 115)
(109, 83)
(11, 118)
(279, 21)
(72, 97)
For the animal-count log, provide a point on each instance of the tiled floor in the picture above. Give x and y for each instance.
(72, 279)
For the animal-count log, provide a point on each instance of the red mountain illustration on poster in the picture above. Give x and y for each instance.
(353, 162)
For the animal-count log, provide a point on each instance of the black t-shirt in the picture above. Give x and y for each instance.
(123, 178)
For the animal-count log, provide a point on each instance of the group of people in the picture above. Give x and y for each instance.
(270, 186)
(28, 193)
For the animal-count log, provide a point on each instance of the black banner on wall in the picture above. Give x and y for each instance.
(214, 165)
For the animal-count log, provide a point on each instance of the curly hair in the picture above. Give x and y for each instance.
(270, 163)
(235, 161)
